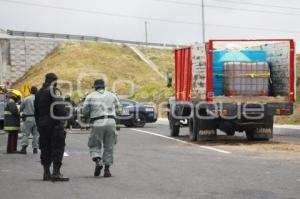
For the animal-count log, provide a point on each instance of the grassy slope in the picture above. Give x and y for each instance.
(157, 92)
(74, 58)
(163, 58)
(116, 62)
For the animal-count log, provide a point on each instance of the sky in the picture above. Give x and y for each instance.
(169, 21)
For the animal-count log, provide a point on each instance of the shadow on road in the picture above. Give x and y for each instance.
(229, 140)
(36, 180)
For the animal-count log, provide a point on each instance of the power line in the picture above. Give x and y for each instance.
(253, 28)
(146, 18)
(258, 4)
(101, 13)
(251, 10)
(179, 2)
(238, 2)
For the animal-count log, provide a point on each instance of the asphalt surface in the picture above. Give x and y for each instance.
(149, 164)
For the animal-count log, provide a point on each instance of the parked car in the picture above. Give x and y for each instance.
(135, 114)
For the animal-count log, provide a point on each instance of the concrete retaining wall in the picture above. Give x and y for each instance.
(23, 53)
(4, 59)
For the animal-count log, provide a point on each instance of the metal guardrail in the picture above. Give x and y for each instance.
(83, 38)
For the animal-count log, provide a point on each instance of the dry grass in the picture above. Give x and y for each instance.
(264, 147)
(163, 58)
(237, 143)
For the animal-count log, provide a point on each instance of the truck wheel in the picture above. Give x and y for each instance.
(262, 133)
(254, 135)
(174, 127)
(193, 130)
(258, 136)
(250, 135)
(267, 129)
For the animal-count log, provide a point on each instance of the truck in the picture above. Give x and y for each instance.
(232, 86)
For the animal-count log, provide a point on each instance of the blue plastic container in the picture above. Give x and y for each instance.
(218, 72)
(221, 56)
(255, 55)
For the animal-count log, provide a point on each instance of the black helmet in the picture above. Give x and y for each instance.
(33, 90)
(99, 83)
(50, 77)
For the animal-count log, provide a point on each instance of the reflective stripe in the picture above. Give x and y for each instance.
(11, 128)
(7, 113)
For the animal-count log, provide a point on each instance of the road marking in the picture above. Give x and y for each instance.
(181, 141)
(66, 154)
(5, 171)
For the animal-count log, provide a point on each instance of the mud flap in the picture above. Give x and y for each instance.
(207, 135)
(207, 130)
(263, 134)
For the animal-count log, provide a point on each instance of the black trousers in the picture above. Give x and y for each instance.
(12, 141)
(52, 144)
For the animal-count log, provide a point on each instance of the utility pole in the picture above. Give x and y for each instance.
(203, 22)
(146, 33)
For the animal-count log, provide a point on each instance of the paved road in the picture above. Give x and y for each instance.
(149, 165)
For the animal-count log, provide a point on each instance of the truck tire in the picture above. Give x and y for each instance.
(266, 137)
(263, 133)
(174, 126)
(250, 134)
(193, 130)
(268, 128)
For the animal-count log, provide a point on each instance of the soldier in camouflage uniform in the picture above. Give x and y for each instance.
(101, 107)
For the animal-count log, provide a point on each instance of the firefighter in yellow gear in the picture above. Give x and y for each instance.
(12, 120)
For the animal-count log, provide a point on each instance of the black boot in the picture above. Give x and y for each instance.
(56, 175)
(47, 174)
(23, 150)
(98, 166)
(35, 151)
(107, 173)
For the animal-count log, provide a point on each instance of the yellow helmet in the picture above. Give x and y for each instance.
(16, 93)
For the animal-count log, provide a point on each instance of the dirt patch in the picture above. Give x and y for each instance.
(264, 147)
(242, 144)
